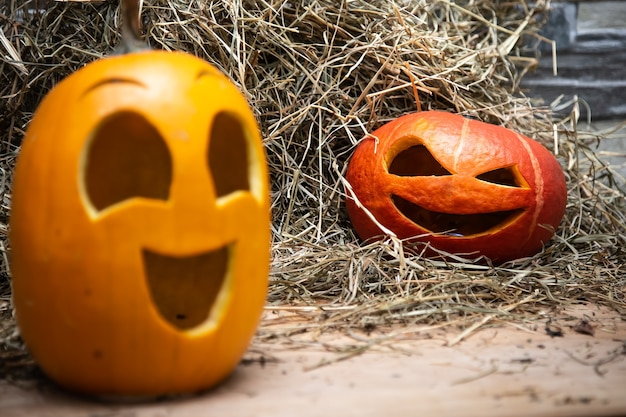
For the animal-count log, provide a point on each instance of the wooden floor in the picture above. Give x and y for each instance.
(500, 371)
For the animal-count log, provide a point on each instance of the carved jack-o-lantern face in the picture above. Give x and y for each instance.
(140, 227)
(462, 185)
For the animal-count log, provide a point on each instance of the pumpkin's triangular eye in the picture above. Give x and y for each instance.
(509, 176)
(126, 158)
(228, 155)
(416, 161)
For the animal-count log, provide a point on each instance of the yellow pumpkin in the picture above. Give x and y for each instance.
(140, 227)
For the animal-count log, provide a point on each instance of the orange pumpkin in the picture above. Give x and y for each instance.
(140, 227)
(461, 185)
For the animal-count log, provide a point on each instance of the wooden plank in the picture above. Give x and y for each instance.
(407, 371)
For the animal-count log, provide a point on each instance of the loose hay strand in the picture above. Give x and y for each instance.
(319, 76)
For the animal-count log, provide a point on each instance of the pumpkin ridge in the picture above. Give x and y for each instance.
(461, 144)
(538, 186)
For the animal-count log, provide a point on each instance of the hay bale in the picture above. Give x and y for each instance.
(319, 75)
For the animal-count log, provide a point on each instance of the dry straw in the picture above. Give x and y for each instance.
(319, 75)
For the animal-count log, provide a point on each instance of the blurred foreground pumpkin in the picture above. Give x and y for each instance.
(460, 185)
(140, 227)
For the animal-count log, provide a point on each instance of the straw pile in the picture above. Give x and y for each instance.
(320, 74)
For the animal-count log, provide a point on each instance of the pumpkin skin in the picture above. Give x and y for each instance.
(462, 186)
(140, 227)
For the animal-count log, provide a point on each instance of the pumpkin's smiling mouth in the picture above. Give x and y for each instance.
(460, 225)
(186, 289)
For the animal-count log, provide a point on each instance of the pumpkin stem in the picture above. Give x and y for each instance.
(131, 34)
